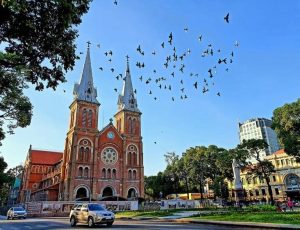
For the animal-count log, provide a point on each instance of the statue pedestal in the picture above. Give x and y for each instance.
(239, 195)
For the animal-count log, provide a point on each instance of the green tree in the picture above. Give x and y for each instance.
(263, 169)
(37, 40)
(5, 181)
(286, 122)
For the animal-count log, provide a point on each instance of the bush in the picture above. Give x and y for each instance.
(260, 208)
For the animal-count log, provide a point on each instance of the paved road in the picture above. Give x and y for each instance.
(49, 224)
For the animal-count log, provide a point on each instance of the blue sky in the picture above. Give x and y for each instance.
(263, 76)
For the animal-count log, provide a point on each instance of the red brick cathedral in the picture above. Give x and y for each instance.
(95, 164)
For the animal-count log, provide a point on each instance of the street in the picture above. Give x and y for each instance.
(63, 223)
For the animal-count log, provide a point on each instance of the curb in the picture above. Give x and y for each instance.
(236, 224)
(225, 223)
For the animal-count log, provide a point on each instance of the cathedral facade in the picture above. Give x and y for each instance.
(96, 163)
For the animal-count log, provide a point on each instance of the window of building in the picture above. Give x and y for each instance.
(276, 191)
(90, 116)
(286, 161)
(109, 173)
(114, 173)
(129, 174)
(134, 174)
(80, 172)
(86, 172)
(274, 178)
(83, 122)
(256, 192)
(277, 162)
(282, 162)
(250, 193)
(103, 173)
(263, 192)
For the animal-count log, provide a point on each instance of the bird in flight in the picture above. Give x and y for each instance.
(163, 45)
(226, 18)
(186, 29)
(219, 94)
(98, 45)
(170, 38)
(200, 38)
(115, 2)
(101, 68)
(196, 85)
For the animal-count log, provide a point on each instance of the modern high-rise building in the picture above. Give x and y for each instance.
(259, 128)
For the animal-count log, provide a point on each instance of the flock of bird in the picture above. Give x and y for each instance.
(173, 75)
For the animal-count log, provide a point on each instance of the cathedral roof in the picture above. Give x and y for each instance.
(45, 157)
(126, 100)
(85, 90)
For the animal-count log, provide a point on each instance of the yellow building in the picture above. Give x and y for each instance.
(285, 181)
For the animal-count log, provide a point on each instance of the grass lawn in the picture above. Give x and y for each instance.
(263, 217)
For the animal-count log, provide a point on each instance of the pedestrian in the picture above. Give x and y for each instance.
(278, 208)
(290, 204)
(283, 206)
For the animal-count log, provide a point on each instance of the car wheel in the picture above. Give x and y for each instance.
(73, 221)
(91, 222)
(109, 224)
(8, 217)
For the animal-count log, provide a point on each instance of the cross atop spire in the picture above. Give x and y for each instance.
(127, 100)
(89, 43)
(85, 90)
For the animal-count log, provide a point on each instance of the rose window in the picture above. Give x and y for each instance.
(109, 156)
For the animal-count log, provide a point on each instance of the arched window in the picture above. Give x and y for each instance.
(132, 155)
(90, 116)
(86, 172)
(81, 153)
(129, 158)
(72, 119)
(103, 173)
(129, 125)
(80, 172)
(33, 168)
(134, 175)
(133, 125)
(108, 173)
(84, 118)
(86, 154)
(114, 174)
(134, 158)
(129, 174)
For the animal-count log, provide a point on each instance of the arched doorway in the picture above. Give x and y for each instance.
(131, 193)
(81, 193)
(107, 192)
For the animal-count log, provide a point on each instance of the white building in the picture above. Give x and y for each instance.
(259, 128)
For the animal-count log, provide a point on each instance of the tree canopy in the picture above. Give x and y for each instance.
(37, 46)
(286, 122)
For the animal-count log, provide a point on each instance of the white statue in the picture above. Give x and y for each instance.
(236, 173)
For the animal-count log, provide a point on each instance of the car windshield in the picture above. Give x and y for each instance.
(19, 209)
(96, 207)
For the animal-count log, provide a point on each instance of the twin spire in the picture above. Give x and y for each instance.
(85, 90)
(126, 99)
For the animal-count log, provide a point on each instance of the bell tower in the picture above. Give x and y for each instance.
(77, 166)
(128, 124)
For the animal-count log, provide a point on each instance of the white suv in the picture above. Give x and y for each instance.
(91, 214)
(16, 212)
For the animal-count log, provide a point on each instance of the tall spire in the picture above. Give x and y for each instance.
(127, 100)
(85, 90)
